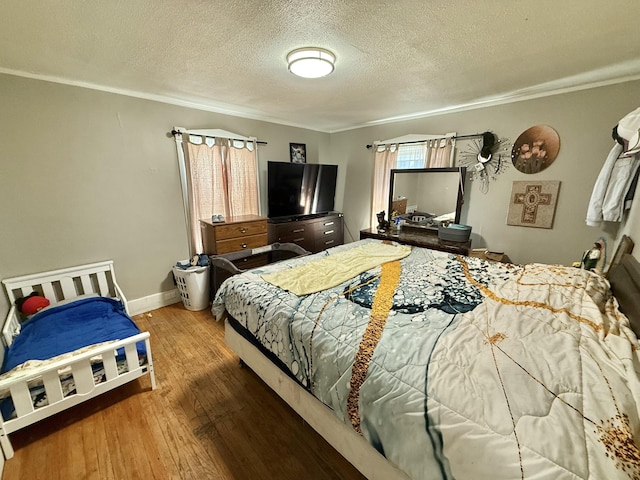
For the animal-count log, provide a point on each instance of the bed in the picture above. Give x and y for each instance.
(84, 344)
(439, 366)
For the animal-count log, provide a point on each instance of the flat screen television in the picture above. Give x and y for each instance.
(300, 189)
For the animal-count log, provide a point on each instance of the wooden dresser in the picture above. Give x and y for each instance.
(233, 235)
(313, 234)
(426, 240)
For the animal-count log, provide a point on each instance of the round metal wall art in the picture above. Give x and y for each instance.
(487, 167)
(535, 149)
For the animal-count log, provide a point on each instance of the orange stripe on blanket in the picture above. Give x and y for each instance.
(525, 303)
(382, 303)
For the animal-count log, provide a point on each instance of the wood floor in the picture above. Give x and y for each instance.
(209, 418)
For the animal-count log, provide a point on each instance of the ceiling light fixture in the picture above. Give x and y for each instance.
(311, 62)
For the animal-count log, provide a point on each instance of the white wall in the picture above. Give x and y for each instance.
(583, 120)
(88, 175)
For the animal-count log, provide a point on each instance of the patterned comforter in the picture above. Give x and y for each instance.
(453, 367)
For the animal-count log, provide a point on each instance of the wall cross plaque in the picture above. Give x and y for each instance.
(533, 204)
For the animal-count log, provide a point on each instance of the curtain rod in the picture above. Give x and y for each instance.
(176, 132)
(457, 137)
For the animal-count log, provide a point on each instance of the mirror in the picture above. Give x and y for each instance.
(425, 197)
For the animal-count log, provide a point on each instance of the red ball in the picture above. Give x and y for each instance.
(34, 304)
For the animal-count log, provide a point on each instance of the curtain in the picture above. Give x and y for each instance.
(221, 179)
(242, 181)
(439, 153)
(383, 162)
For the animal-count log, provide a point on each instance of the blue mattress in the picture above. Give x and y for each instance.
(65, 328)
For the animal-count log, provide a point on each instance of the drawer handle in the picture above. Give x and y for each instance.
(244, 245)
(243, 230)
(329, 242)
(328, 232)
(328, 224)
(298, 230)
(298, 239)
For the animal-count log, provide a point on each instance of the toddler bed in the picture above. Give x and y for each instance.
(82, 345)
(439, 366)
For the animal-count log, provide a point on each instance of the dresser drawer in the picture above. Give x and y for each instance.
(220, 274)
(328, 233)
(252, 262)
(305, 242)
(327, 225)
(290, 230)
(291, 236)
(241, 243)
(236, 230)
(297, 233)
(328, 239)
(233, 234)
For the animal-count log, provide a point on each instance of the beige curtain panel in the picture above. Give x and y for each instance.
(242, 182)
(222, 179)
(439, 153)
(383, 162)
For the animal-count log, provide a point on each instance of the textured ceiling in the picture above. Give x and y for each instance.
(394, 58)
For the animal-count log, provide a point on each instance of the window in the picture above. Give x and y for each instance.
(411, 156)
(219, 175)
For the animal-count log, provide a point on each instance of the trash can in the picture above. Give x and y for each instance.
(193, 285)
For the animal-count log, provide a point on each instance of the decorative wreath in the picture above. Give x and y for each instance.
(485, 158)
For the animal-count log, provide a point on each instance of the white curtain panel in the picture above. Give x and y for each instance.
(221, 179)
(242, 181)
(384, 161)
(439, 153)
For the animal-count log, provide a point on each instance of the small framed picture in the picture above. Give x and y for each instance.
(298, 152)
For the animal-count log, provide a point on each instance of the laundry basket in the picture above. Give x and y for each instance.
(193, 285)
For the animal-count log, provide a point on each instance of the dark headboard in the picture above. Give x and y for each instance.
(625, 284)
(625, 246)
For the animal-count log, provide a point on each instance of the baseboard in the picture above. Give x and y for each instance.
(151, 302)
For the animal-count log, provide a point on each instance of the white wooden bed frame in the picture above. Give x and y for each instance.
(341, 436)
(56, 286)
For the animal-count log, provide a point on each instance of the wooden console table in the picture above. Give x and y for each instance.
(419, 239)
